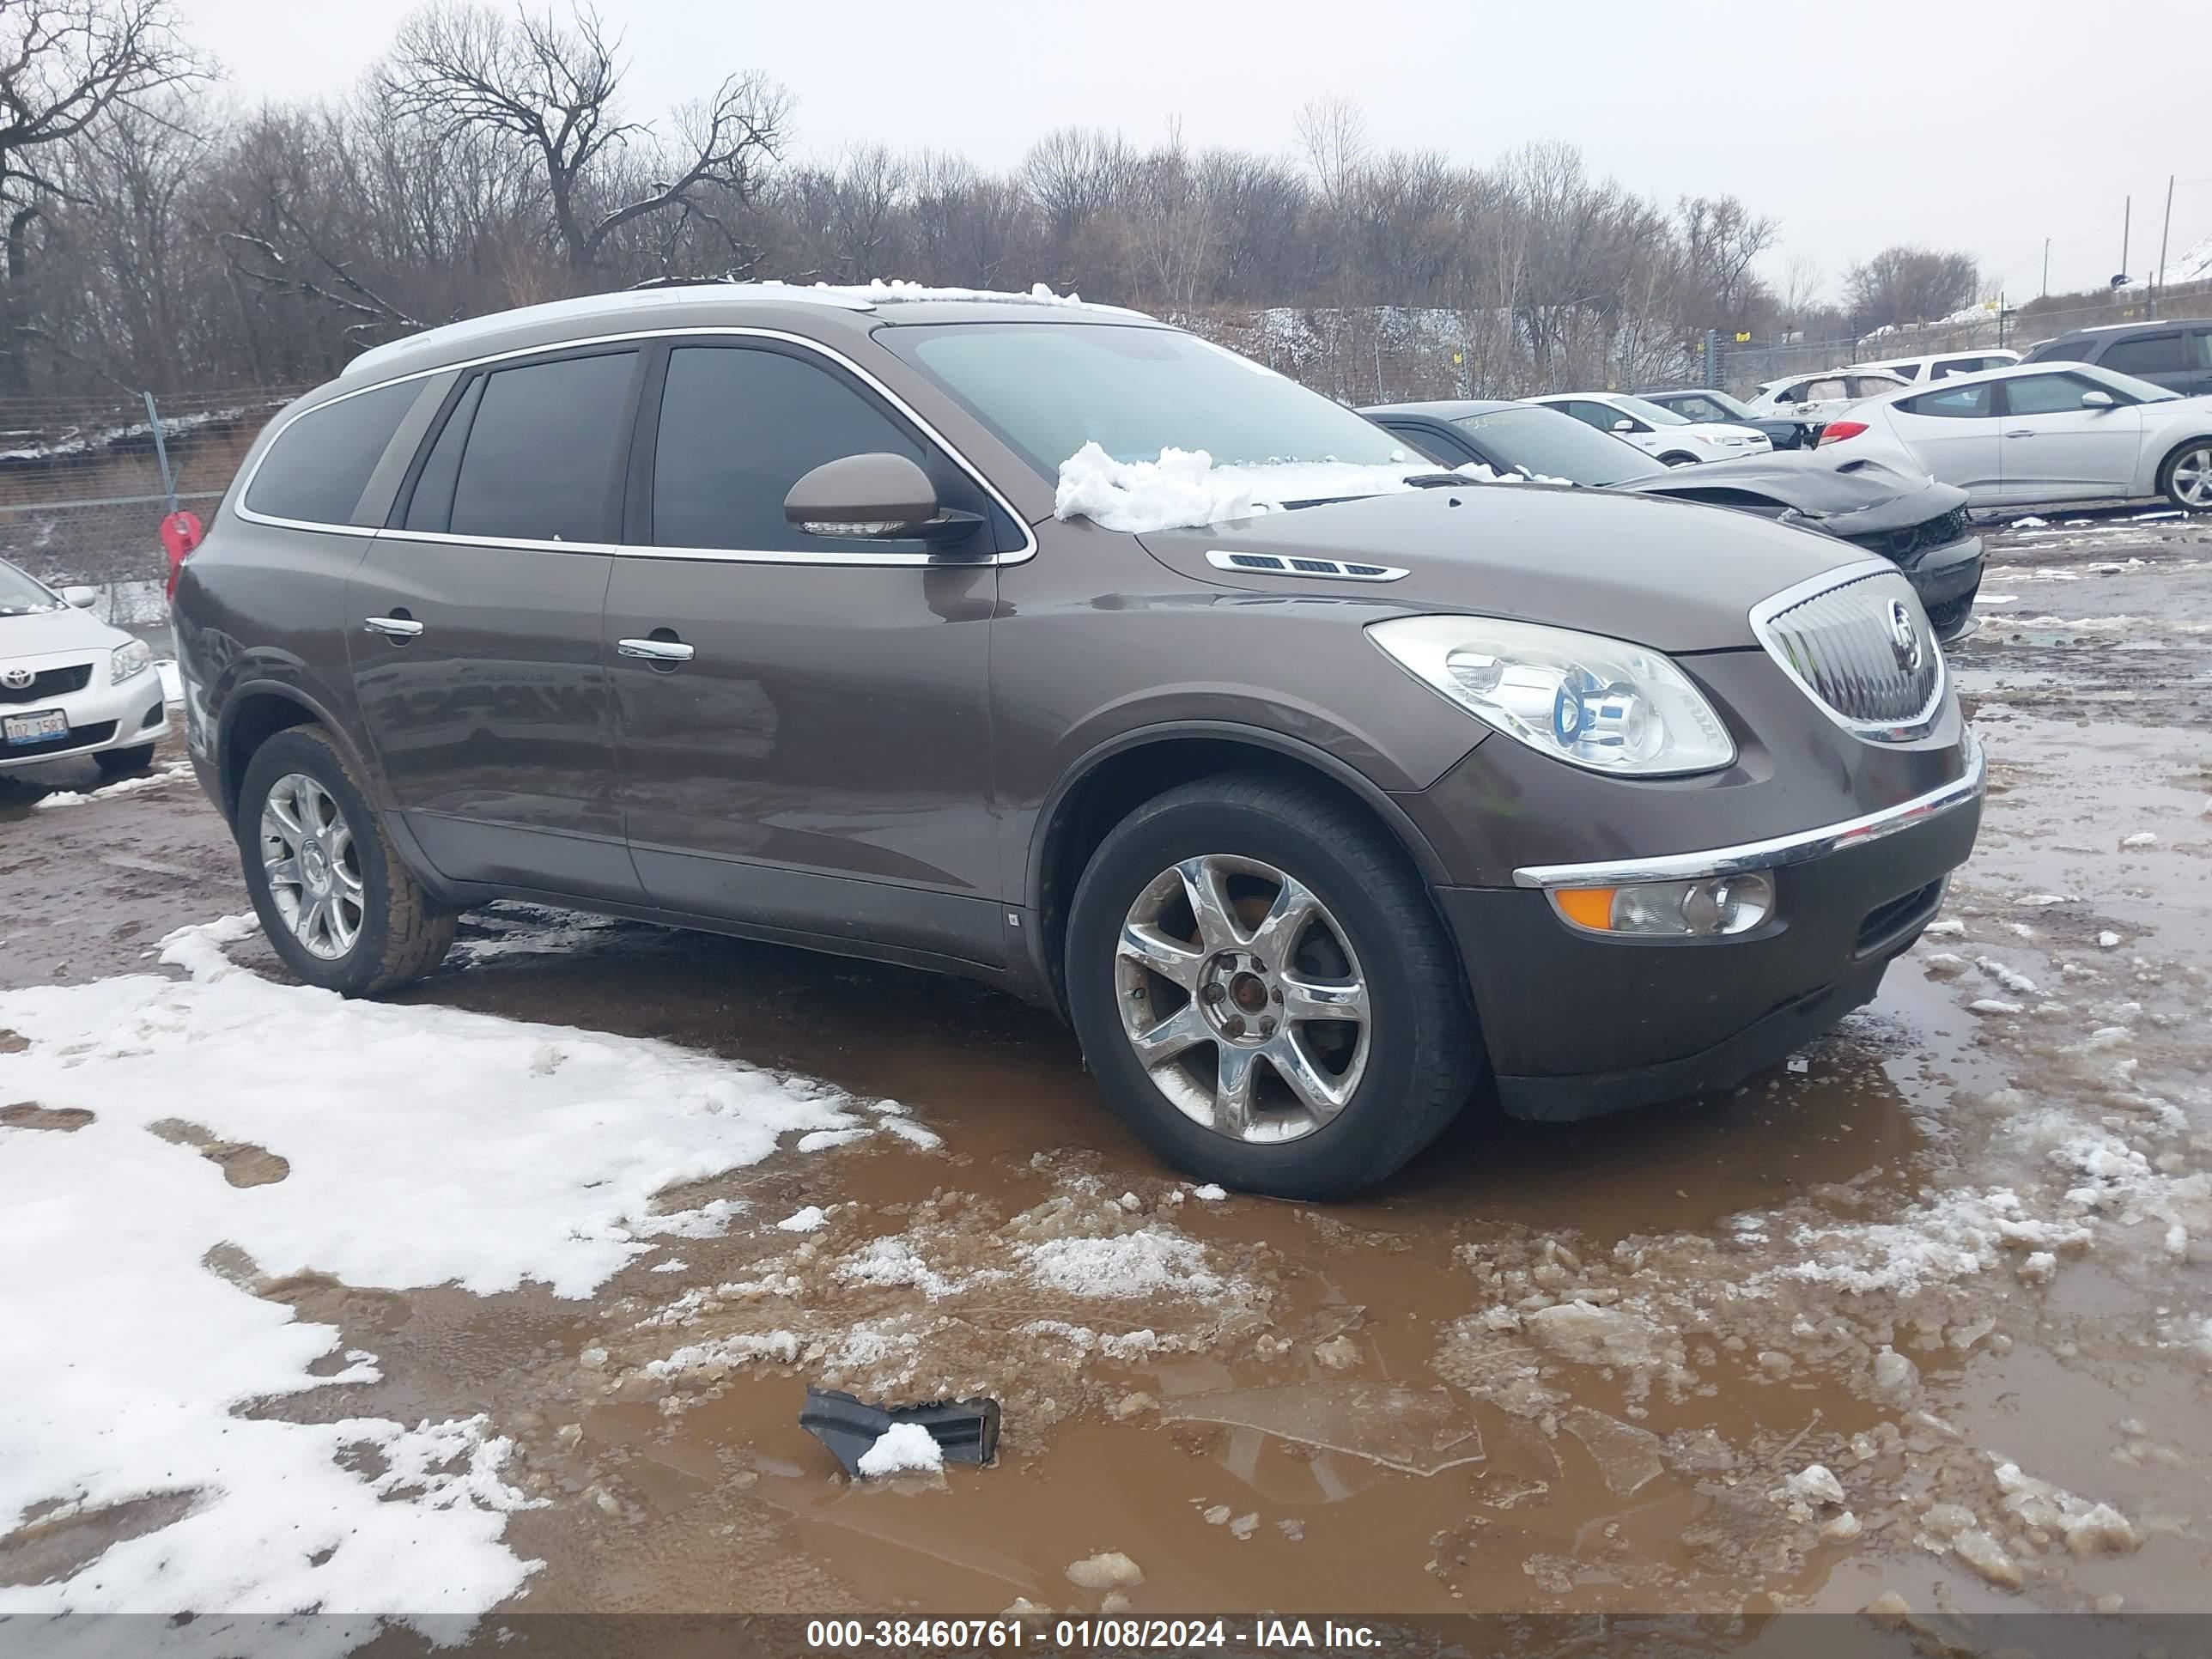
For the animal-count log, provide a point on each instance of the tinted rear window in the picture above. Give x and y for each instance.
(2151, 354)
(541, 452)
(319, 465)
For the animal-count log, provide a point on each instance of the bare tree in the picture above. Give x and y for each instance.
(555, 92)
(1721, 238)
(1910, 285)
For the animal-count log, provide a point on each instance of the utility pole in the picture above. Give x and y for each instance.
(2158, 281)
(2046, 267)
(2127, 224)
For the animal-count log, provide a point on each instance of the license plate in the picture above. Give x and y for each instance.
(41, 726)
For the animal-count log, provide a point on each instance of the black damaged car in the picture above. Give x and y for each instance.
(1918, 524)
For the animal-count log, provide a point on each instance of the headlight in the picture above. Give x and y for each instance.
(128, 659)
(1605, 704)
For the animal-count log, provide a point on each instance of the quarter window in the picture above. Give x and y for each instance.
(317, 465)
(739, 426)
(1958, 403)
(2149, 354)
(539, 458)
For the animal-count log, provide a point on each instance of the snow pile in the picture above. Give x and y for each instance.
(2194, 266)
(425, 1147)
(1141, 1263)
(901, 1447)
(168, 774)
(1184, 490)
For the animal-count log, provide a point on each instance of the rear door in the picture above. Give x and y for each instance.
(474, 628)
(2163, 358)
(1952, 433)
(2054, 449)
(816, 759)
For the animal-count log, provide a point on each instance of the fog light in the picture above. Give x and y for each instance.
(1713, 906)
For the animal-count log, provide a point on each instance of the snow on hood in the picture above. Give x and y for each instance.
(1184, 490)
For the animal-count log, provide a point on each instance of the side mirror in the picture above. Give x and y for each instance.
(83, 597)
(876, 497)
(2098, 400)
(1624, 424)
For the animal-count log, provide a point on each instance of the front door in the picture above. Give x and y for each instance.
(473, 626)
(2054, 449)
(806, 748)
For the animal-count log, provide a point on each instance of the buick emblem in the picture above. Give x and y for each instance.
(17, 679)
(1904, 638)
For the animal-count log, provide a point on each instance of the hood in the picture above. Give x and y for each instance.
(1847, 495)
(44, 633)
(1633, 567)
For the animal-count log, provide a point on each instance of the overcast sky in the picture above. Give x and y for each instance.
(1855, 124)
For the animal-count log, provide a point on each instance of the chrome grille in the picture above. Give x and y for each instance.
(1857, 643)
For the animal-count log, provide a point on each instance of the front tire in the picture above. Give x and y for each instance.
(2187, 478)
(335, 900)
(1264, 991)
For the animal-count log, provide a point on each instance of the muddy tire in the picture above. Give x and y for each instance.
(1264, 991)
(122, 762)
(2185, 476)
(337, 903)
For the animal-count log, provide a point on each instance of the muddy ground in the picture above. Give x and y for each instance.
(1956, 1255)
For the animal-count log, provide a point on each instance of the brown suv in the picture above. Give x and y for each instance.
(747, 609)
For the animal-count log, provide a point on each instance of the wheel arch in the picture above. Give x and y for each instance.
(1120, 774)
(2162, 473)
(255, 711)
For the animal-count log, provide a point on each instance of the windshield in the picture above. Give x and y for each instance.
(2147, 392)
(1650, 411)
(1049, 388)
(1555, 446)
(20, 596)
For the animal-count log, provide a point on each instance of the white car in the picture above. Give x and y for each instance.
(1941, 365)
(2046, 432)
(1823, 395)
(1673, 439)
(70, 684)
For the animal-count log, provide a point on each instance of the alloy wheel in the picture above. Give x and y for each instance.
(1242, 998)
(314, 865)
(2192, 477)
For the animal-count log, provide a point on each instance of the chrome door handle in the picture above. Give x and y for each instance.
(392, 628)
(655, 650)
(2028, 432)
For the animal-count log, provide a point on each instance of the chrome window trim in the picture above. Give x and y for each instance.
(1774, 605)
(926, 559)
(1778, 852)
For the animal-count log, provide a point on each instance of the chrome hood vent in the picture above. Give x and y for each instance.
(1856, 641)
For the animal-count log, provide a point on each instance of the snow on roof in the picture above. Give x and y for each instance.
(852, 297)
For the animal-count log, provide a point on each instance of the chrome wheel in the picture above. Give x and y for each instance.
(2191, 478)
(1242, 998)
(314, 865)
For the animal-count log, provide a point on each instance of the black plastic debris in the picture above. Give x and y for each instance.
(965, 1430)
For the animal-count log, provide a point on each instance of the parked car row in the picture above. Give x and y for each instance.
(2045, 433)
(1897, 513)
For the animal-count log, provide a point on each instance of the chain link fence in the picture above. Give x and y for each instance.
(83, 490)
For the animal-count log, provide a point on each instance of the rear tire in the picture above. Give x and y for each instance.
(1218, 1104)
(335, 900)
(122, 762)
(2185, 479)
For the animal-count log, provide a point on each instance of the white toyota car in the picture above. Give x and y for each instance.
(1673, 439)
(70, 684)
(2046, 432)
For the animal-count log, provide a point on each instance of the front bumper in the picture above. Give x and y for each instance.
(1579, 1024)
(1946, 579)
(101, 716)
